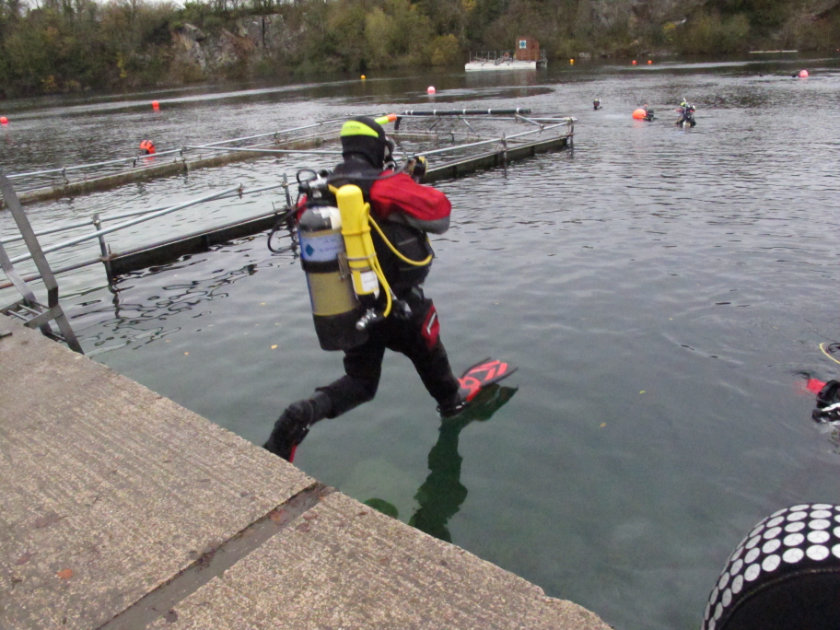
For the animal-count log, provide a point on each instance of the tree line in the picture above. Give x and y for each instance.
(77, 45)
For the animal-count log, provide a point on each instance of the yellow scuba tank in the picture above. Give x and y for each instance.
(335, 308)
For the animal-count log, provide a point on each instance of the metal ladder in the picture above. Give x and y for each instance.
(29, 310)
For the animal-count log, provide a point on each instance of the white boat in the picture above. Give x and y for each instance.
(479, 64)
(527, 56)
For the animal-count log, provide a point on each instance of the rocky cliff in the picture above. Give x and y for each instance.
(632, 25)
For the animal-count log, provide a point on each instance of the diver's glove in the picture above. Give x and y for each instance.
(416, 168)
(294, 423)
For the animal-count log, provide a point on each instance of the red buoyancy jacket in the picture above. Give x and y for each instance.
(422, 207)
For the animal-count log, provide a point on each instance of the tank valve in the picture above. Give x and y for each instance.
(370, 317)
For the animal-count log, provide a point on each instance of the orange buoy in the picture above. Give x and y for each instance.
(147, 147)
(650, 62)
(155, 106)
(640, 113)
(4, 121)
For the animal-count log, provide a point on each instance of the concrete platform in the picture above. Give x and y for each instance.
(121, 509)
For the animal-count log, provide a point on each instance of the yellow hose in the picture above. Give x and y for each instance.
(397, 253)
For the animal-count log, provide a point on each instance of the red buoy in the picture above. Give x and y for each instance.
(155, 106)
(803, 74)
(4, 121)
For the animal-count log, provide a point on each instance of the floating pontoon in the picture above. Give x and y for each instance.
(455, 142)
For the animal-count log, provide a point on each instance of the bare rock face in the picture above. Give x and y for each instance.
(636, 15)
(187, 42)
(252, 39)
(208, 55)
(606, 15)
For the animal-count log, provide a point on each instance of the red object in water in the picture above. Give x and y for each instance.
(4, 121)
(814, 385)
(155, 105)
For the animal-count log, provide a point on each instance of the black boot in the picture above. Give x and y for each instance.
(294, 423)
(453, 406)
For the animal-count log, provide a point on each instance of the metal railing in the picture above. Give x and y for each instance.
(30, 181)
(256, 144)
(539, 126)
(134, 218)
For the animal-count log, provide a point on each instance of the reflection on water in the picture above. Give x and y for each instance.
(440, 496)
(138, 323)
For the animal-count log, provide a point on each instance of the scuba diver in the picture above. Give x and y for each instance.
(405, 211)
(596, 104)
(643, 113)
(147, 147)
(686, 112)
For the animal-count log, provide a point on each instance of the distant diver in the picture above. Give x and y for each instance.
(643, 113)
(147, 147)
(686, 112)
